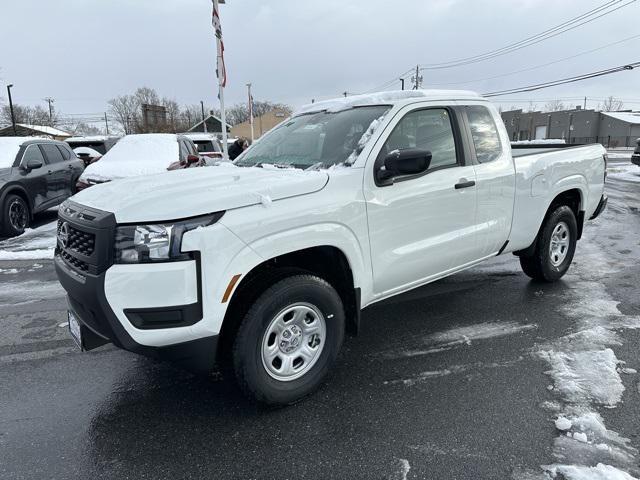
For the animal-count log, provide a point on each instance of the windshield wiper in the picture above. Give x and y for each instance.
(315, 166)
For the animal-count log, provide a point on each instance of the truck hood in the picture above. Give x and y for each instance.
(197, 191)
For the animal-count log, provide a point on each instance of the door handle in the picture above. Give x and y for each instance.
(468, 184)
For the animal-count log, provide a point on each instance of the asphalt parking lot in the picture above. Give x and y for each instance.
(462, 379)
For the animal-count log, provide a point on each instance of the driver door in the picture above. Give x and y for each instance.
(421, 226)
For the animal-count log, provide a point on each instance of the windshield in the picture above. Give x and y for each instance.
(316, 139)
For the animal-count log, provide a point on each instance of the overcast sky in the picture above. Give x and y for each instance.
(83, 52)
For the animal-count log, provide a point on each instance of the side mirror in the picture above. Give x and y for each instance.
(192, 159)
(32, 165)
(410, 161)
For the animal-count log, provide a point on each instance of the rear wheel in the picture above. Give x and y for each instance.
(555, 246)
(289, 339)
(15, 215)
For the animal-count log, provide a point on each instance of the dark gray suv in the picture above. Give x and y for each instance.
(35, 174)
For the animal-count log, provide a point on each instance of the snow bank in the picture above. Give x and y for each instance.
(33, 244)
(599, 472)
(135, 155)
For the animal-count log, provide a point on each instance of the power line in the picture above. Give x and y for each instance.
(541, 65)
(583, 19)
(553, 83)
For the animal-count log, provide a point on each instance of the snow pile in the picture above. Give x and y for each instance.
(9, 148)
(628, 173)
(585, 374)
(33, 244)
(133, 156)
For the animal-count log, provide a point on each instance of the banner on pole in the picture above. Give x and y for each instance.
(221, 70)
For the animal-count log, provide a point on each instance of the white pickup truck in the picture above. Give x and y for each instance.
(263, 264)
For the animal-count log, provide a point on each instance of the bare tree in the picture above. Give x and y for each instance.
(554, 106)
(532, 107)
(610, 104)
(239, 112)
(28, 115)
(125, 109)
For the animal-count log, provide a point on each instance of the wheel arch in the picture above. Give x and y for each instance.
(326, 261)
(573, 198)
(16, 189)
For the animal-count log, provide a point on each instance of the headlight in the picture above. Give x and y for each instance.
(157, 242)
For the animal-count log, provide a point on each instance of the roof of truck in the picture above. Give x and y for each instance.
(390, 97)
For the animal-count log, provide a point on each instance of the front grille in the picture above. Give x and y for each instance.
(74, 262)
(79, 241)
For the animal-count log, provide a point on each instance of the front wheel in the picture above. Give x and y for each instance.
(15, 215)
(289, 340)
(555, 247)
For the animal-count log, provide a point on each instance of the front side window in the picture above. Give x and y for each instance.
(428, 129)
(317, 139)
(486, 139)
(32, 153)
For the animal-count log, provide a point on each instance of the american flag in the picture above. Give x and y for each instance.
(250, 108)
(217, 27)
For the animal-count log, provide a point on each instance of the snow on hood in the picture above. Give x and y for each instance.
(197, 191)
(9, 148)
(133, 156)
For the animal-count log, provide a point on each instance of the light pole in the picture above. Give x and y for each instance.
(13, 118)
(204, 123)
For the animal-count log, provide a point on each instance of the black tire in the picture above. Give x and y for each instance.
(249, 369)
(540, 265)
(12, 226)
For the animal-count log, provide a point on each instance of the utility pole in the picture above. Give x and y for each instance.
(50, 101)
(106, 123)
(204, 123)
(417, 79)
(585, 103)
(13, 118)
(250, 110)
(402, 83)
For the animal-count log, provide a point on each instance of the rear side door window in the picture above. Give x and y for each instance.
(52, 153)
(484, 133)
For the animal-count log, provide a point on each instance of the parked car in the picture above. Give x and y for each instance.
(90, 149)
(357, 200)
(635, 158)
(35, 174)
(207, 144)
(144, 154)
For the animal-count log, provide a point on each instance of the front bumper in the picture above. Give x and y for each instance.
(154, 310)
(100, 325)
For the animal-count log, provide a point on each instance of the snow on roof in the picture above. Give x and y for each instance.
(135, 155)
(90, 138)
(629, 117)
(391, 97)
(200, 136)
(46, 130)
(9, 147)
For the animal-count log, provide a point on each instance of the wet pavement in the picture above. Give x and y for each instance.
(442, 382)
